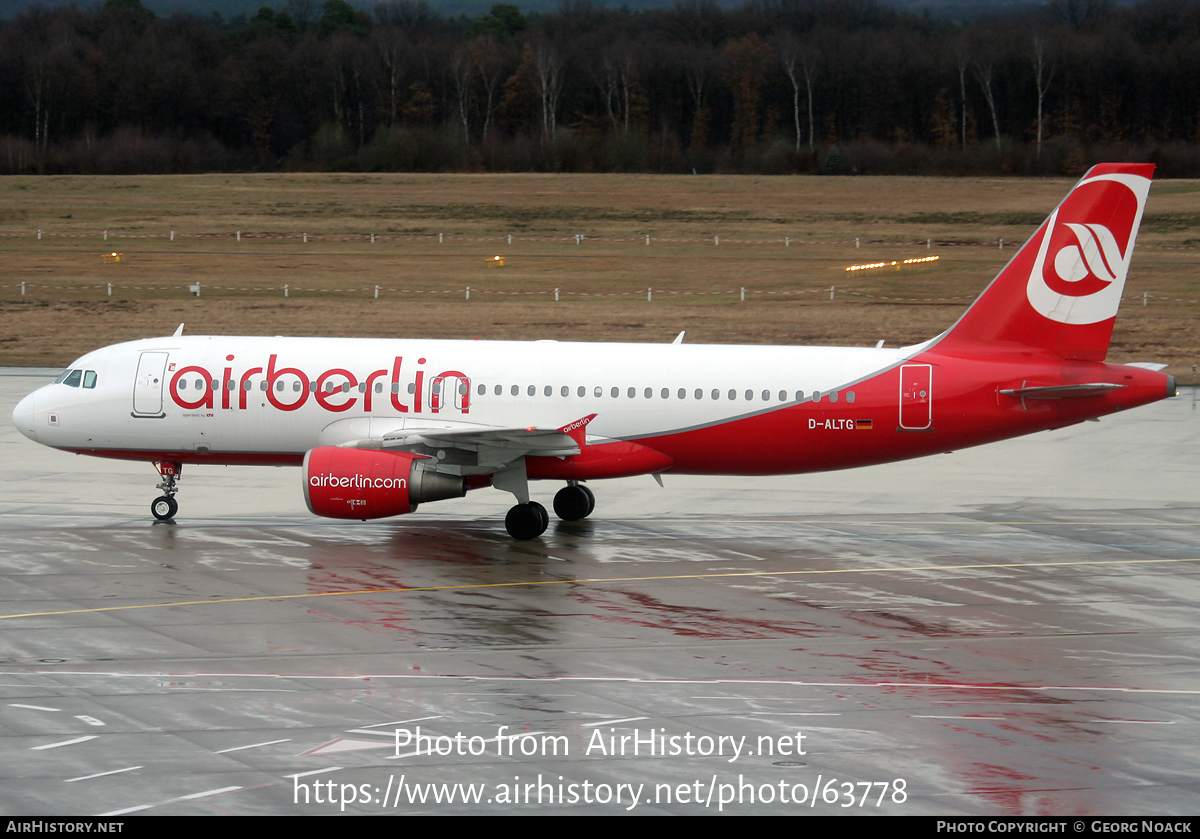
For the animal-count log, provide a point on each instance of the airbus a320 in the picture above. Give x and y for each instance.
(380, 426)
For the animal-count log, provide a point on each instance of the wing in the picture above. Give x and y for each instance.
(478, 449)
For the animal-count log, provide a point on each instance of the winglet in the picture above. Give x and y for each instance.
(577, 430)
(178, 331)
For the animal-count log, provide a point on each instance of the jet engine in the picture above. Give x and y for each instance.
(371, 484)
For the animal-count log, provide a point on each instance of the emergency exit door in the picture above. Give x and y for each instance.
(916, 397)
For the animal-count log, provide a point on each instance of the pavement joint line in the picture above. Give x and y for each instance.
(600, 580)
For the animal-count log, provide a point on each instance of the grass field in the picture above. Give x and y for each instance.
(786, 241)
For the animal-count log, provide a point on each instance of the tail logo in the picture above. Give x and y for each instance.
(1086, 247)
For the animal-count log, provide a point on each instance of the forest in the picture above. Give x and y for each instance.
(766, 87)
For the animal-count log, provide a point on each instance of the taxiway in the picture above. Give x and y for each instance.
(1006, 630)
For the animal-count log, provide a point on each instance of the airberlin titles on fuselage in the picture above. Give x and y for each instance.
(344, 396)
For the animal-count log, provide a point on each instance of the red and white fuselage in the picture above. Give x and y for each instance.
(710, 409)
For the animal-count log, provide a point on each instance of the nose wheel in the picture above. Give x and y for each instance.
(165, 506)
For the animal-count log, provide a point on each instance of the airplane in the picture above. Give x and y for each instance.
(381, 426)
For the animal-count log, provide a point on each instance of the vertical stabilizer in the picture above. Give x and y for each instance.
(1059, 295)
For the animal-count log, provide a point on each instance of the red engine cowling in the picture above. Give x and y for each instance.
(371, 484)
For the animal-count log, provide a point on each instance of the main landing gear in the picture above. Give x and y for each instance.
(574, 502)
(165, 506)
(527, 521)
(530, 520)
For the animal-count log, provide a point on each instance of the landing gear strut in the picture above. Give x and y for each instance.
(574, 502)
(165, 506)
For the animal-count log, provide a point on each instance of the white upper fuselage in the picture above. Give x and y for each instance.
(237, 394)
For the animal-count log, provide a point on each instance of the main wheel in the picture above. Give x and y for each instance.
(164, 508)
(572, 503)
(526, 521)
(542, 514)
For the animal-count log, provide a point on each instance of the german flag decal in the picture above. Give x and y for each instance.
(863, 424)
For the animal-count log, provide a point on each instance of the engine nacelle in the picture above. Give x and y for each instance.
(371, 484)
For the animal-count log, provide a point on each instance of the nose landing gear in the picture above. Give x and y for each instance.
(165, 506)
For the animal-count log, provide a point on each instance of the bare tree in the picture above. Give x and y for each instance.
(392, 48)
(1042, 75)
(489, 63)
(614, 75)
(962, 60)
(699, 66)
(547, 80)
(983, 72)
(799, 61)
(462, 72)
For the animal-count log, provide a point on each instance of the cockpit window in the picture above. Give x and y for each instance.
(72, 379)
(62, 376)
(89, 378)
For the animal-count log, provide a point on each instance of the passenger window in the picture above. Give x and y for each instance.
(582, 391)
(749, 396)
(833, 397)
(378, 387)
(263, 385)
(482, 389)
(532, 390)
(412, 387)
(666, 394)
(716, 394)
(549, 391)
(499, 389)
(515, 390)
(799, 396)
(766, 396)
(599, 392)
(849, 396)
(566, 391)
(616, 391)
(72, 380)
(783, 396)
(682, 393)
(295, 386)
(89, 379)
(699, 393)
(649, 393)
(632, 392)
(816, 396)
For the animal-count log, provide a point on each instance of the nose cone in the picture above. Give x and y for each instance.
(23, 416)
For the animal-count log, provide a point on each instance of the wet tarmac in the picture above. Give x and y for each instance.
(1006, 630)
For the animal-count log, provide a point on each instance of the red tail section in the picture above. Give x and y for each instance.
(1059, 295)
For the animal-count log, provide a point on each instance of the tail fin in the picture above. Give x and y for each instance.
(1061, 291)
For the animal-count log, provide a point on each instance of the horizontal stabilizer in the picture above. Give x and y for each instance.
(1061, 391)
